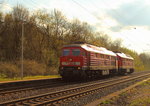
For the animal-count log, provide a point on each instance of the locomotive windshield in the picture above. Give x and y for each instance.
(76, 52)
(66, 52)
(73, 52)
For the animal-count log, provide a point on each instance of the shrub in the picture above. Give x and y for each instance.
(51, 71)
(32, 68)
(8, 70)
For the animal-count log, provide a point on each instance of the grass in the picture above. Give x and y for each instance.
(134, 97)
(145, 99)
(141, 102)
(106, 102)
(29, 78)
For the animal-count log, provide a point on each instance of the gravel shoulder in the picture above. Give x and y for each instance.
(137, 96)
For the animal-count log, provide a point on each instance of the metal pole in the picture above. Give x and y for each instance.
(22, 51)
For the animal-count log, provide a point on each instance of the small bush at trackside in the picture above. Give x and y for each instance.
(32, 68)
(51, 71)
(8, 70)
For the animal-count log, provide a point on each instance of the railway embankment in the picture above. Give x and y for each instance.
(136, 95)
(74, 93)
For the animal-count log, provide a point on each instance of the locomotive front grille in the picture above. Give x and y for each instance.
(70, 68)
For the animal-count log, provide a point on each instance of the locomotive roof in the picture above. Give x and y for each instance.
(92, 48)
(124, 56)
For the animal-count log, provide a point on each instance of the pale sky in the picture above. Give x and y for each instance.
(128, 20)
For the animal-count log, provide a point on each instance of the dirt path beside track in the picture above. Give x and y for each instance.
(137, 96)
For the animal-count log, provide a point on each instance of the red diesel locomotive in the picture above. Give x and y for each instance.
(125, 63)
(88, 61)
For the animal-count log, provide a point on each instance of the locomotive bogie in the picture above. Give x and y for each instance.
(125, 71)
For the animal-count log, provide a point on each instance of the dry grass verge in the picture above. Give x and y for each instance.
(12, 70)
(138, 96)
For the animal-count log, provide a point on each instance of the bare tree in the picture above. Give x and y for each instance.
(20, 13)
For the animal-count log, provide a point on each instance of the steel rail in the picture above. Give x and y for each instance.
(5, 86)
(39, 86)
(15, 89)
(47, 85)
(88, 91)
(54, 97)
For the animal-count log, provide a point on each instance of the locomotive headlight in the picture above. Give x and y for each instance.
(70, 59)
(77, 63)
(64, 63)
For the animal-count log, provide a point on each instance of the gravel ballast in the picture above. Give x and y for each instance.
(137, 96)
(85, 100)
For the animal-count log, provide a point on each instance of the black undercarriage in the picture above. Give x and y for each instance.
(73, 73)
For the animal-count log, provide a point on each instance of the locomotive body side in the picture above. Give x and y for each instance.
(103, 63)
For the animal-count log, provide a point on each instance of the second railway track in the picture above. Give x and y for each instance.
(70, 94)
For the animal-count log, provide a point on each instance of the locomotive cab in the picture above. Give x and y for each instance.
(72, 61)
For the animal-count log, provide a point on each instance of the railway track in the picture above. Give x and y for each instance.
(26, 84)
(70, 94)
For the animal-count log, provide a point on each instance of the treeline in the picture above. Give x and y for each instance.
(44, 35)
(145, 58)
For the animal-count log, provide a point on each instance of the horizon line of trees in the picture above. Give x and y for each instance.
(45, 34)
